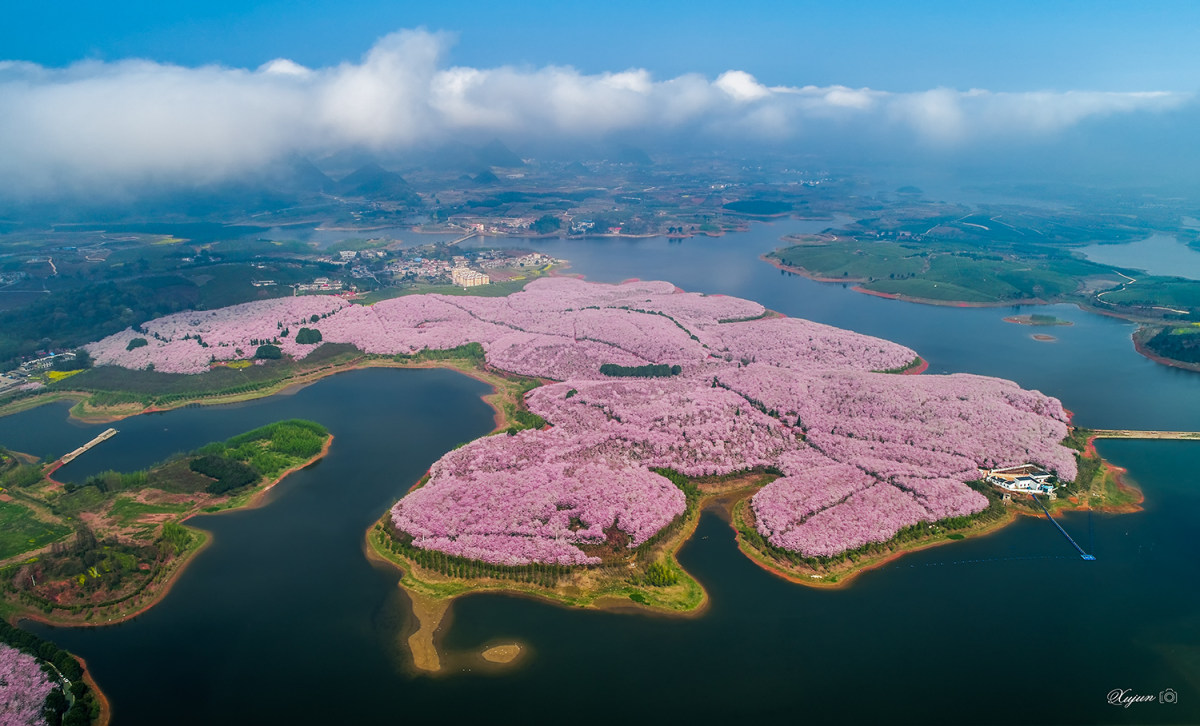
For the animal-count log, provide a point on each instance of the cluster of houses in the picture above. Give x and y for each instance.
(347, 257)
(498, 225)
(1023, 479)
(32, 368)
(419, 268)
(320, 284)
(535, 259)
(45, 363)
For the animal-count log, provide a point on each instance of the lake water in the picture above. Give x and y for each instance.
(1160, 254)
(283, 619)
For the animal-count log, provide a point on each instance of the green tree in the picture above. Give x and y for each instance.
(546, 224)
(308, 336)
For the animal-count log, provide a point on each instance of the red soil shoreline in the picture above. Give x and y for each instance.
(105, 717)
(1143, 350)
(946, 303)
(1119, 474)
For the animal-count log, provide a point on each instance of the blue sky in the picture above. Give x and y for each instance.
(896, 46)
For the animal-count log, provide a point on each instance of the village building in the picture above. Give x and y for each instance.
(1026, 478)
(45, 363)
(320, 284)
(467, 277)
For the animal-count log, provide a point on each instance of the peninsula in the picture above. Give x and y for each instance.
(102, 550)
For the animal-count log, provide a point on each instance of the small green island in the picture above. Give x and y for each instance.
(107, 548)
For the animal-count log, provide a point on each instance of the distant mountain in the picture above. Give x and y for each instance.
(495, 153)
(301, 176)
(346, 161)
(459, 156)
(373, 181)
(631, 155)
(577, 169)
(486, 177)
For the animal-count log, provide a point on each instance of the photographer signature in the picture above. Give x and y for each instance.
(1125, 697)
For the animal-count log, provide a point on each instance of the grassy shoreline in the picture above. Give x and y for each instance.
(161, 582)
(432, 592)
(604, 588)
(1107, 489)
(155, 589)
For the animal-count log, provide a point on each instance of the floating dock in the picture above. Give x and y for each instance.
(108, 434)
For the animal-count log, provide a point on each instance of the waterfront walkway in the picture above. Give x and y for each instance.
(1129, 434)
(1082, 553)
(464, 238)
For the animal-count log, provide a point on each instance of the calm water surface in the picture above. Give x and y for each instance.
(283, 618)
(1160, 254)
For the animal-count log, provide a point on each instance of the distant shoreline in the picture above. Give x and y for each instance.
(1020, 320)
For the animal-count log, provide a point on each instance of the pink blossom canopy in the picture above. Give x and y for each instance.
(863, 454)
(23, 688)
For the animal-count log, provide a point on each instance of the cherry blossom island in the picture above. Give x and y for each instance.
(859, 454)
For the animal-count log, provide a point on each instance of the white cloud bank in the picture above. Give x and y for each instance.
(97, 124)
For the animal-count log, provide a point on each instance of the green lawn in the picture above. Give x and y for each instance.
(126, 511)
(20, 531)
(941, 270)
(1165, 291)
(857, 260)
(926, 289)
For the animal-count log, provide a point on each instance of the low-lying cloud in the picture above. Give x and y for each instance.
(98, 125)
